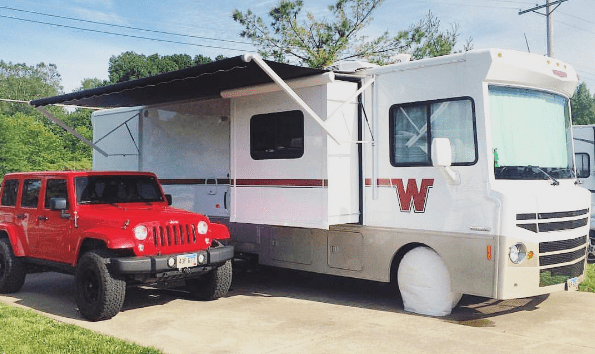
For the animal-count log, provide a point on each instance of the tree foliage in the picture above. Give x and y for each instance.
(28, 140)
(130, 66)
(583, 106)
(25, 83)
(292, 36)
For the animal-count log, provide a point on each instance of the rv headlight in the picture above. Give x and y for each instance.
(202, 227)
(140, 232)
(517, 254)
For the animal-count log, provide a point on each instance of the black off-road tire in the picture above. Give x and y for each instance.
(99, 294)
(212, 285)
(12, 270)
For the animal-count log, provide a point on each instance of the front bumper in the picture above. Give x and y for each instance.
(155, 265)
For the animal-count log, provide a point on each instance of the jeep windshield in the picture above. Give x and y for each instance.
(531, 134)
(106, 189)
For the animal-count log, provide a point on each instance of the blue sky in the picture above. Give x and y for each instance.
(208, 29)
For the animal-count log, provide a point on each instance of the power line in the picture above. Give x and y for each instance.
(122, 34)
(121, 26)
(549, 26)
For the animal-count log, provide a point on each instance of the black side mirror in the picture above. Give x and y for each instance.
(169, 199)
(60, 204)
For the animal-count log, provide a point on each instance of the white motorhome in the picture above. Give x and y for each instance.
(352, 171)
(584, 151)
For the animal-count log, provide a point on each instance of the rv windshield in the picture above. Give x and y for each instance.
(531, 134)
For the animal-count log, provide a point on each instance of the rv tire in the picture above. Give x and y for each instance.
(424, 283)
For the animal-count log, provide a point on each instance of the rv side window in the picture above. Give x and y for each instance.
(410, 137)
(277, 135)
(583, 167)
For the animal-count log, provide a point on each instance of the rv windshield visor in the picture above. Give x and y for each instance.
(531, 134)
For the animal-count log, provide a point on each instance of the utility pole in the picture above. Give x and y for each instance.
(549, 22)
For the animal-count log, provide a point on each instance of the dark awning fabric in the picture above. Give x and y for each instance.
(197, 82)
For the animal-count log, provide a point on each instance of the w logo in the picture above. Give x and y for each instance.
(412, 196)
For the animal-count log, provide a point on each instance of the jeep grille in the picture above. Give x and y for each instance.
(174, 235)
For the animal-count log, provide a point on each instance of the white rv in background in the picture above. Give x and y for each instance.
(584, 152)
(467, 157)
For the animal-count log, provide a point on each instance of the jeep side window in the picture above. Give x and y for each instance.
(30, 196)
(9, 194)
(55, 188)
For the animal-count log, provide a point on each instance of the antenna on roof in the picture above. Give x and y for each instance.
(526, 41)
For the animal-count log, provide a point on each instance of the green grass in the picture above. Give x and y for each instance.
(24, 331)
(588, 284)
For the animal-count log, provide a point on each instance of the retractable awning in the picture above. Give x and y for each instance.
(197, 82)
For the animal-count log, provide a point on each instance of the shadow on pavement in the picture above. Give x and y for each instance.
(54, 293)
(266, 281)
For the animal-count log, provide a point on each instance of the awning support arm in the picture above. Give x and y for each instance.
(279, 81)
(49, 116)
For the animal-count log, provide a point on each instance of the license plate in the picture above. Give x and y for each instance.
(572, 284)
(187, 260)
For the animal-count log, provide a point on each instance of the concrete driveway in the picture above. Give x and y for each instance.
(279, 311)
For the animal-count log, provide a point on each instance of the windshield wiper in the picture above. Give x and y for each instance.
(554, 181)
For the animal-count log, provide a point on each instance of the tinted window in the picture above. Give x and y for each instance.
(117, 189)
(55, 188)
(410, 138)
(30, 196)
(583, 168)
(277, 135)
(9, 193)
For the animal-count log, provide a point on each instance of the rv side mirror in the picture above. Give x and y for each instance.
(441, 152)
(169, 199)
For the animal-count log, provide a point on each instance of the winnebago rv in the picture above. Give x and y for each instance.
(447, 175)
(584, 152)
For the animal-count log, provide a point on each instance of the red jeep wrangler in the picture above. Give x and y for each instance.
(109, 229)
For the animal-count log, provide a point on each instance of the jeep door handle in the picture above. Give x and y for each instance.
(21, 216)
(43, 218)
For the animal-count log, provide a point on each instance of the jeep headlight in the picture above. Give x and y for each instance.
(140, 232)
(202, 227)
(517, 253)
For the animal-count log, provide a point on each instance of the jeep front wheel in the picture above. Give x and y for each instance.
(12, 270)
(99, 294)
(212, 285)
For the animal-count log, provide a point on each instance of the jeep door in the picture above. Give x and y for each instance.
(49, 237)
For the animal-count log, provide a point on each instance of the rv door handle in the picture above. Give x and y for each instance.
(43, 218)
(21, 216)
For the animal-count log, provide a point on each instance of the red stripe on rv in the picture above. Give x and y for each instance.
(281, 182)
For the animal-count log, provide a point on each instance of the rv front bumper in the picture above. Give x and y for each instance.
(206, 260)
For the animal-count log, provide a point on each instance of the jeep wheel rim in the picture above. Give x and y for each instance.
(90, 286)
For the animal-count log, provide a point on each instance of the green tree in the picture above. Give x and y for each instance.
(91, 83)
(28, 140)
(292, 36)
(130, 66)
(23, 82)
(583, 106)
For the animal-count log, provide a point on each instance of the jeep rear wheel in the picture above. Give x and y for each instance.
(12, 270)
(99, 294)
(212, 285)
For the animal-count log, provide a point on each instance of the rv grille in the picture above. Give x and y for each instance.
(559, 275)
(536, 226)
(562, 257)
(562, 245)
(173, 235)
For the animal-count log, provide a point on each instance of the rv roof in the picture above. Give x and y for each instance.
(197, 82)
